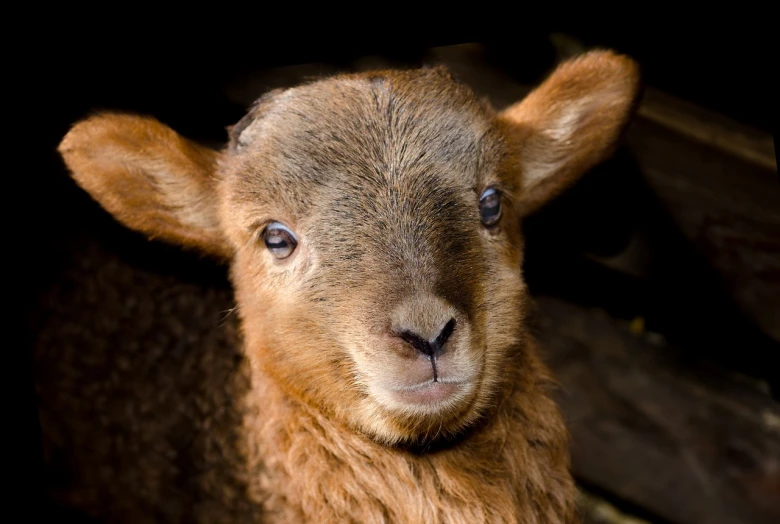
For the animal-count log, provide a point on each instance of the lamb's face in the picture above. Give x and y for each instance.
(377, 261)
(372, 222)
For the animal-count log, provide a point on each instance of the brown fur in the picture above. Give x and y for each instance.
(379, 175)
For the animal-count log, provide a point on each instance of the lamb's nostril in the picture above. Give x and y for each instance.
(445, 333)
(417, 342)
(431, 348)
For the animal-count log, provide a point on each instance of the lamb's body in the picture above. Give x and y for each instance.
(140, 380)
(373, 228)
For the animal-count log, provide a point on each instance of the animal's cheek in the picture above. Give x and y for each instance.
(503, 301)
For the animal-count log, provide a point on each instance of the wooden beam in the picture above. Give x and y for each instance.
(596, 510)
(708, 127)
(728, 209)
(688, 442)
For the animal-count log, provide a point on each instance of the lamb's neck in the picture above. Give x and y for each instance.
(305, 467)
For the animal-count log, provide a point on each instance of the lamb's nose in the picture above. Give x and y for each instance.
(431, 348)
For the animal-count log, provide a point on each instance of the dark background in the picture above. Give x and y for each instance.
(68, 67)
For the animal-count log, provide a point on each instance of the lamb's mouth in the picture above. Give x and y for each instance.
(432, 394)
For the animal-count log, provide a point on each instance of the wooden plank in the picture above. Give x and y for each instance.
(689, 443)
(596, 510)
(728, 209)
(708, 127)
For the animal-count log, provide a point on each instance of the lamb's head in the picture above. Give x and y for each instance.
(372, 222)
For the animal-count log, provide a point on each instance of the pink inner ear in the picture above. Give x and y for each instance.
(573, 117)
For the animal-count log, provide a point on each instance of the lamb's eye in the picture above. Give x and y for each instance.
(490, 207)
(279, 240)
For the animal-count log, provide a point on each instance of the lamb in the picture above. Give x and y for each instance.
(372, 226)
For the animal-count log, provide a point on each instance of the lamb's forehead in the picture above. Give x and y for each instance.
(391, 124)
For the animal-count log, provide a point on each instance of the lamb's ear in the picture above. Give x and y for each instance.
(568, 124)
(149, 178)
